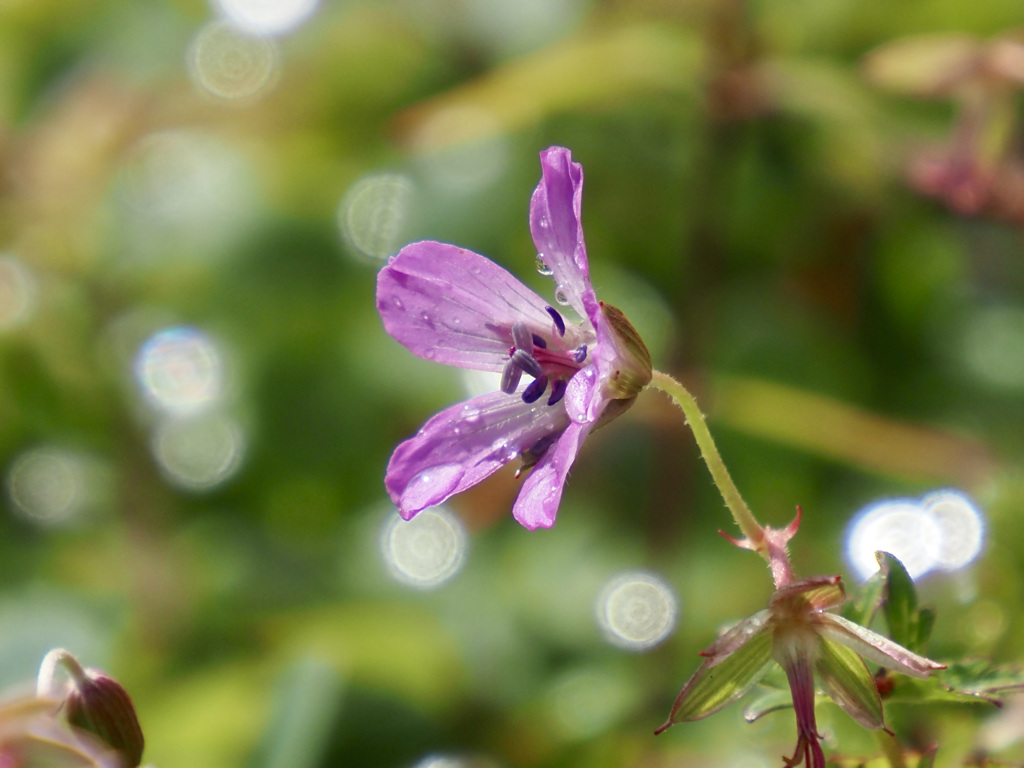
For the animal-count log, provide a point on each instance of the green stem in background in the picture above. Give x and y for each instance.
(891, 749)
(741, 513)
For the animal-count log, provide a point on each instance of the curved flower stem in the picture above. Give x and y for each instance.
(741, 513)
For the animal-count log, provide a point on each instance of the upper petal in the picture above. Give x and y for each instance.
(556, 225)
(462, 445)
(454, 306)
(874, 647)
(541, 493)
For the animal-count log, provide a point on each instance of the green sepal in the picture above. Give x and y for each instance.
(713, 686)
(847, 681)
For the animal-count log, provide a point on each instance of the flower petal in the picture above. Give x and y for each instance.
(455, 306)
(849, 684)
(462, 445)
(538, 499)
(721, 680)
(556, 225)
(874, 647)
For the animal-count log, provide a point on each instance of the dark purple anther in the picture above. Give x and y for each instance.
(581, 354)
(527, 362)
(559, 322)
(538, 341)
(535, 389)
(557, 391)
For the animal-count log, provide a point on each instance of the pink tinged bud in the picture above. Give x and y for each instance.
(100, 705)
(94, 703)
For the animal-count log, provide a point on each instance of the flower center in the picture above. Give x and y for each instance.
(530, 354)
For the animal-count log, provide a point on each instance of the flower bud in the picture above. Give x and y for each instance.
(98, 704)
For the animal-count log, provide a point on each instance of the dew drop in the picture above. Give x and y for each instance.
(542, 266)
(426, 316)
(470, 414)
(398, 303)
(561, 296)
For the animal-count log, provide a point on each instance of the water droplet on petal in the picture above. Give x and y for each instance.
(542, 266)
(432, 484)
(397, 302)
(470, 414)
(561, 296)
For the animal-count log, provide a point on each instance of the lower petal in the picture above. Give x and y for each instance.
(541, 493)
(464, 444)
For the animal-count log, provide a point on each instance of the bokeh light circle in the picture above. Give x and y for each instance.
(636, 610)
(961, 525)
(942, 531)
(198, 452)
(899, 527)
(226, 62)
(374, 214)
(180, 370)
(427, 550)
(268, 17)
(48, 485)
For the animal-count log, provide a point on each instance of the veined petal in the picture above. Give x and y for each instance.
(849, 684)
(722, 679)
(455, 306)
(462, 445)
(874, 647)
(556, 224)
(538, 499)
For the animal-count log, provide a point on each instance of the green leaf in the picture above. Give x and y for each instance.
(900, 602)
(862, 610)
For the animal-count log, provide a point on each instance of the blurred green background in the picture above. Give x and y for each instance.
(198, 401)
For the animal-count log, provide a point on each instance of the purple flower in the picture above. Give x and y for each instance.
(456, 307)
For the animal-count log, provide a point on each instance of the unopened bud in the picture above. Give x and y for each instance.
(98, 704)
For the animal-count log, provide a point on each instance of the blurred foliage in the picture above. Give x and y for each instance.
(848, 309)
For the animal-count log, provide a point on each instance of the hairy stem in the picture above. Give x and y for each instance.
(741, 513)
